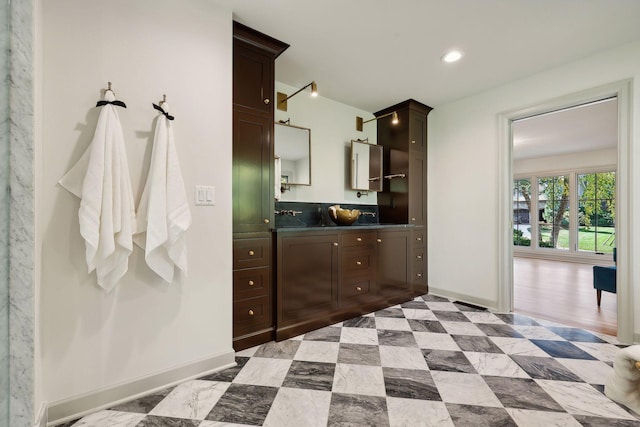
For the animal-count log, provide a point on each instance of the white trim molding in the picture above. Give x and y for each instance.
(624, 175)
(488, 304)
(81, 405)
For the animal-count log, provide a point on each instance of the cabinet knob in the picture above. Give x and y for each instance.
(358, 262)
(419, 256)
(413, 219)
(251, 253)
(251, 313)
(335, 243)
(358, 288)
(419, 275)
(413, 141)
(359, 239)
(379, 240)
(266, 220)
(251, 283)
(419, 239)
(266, 101)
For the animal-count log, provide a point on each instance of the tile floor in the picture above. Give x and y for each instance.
(427, 362)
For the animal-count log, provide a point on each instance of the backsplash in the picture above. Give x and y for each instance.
(304, 214)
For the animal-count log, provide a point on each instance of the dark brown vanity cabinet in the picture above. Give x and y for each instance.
(252, 290)
(326, 276)
(254, 54)
(393, 269)
(307, 281)
(418, 260)
(357, 267)
(404, 196)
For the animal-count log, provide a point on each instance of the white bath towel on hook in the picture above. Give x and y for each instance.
(163, 214)
(106, 215)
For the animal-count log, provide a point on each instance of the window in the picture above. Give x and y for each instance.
(573, 212)
(522, 212)
(597, 212)
(553, 204)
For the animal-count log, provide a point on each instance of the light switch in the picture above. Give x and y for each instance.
(205, 195)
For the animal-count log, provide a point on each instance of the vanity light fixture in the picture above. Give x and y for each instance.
(360, 122)
(451, 56)
(282, 97)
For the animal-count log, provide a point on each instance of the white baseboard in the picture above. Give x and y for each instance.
(490, 305)
(42, 417)
(84, 404)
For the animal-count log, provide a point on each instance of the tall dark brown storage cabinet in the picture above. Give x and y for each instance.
(254, 54)
(404, 196)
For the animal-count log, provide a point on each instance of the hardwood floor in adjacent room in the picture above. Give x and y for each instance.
(562, 292)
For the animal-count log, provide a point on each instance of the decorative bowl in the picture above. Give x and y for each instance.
(343, 216)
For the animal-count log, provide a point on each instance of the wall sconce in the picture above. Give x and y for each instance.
(359, 122)
(282, 97)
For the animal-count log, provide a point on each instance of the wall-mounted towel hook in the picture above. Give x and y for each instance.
(109, 88)
(114, 102)
(164, 99)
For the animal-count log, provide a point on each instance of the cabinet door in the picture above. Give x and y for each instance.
(252, 166)
(393, 268)
(307, 277)
(417, 188)
(252, 78)
(417, 131)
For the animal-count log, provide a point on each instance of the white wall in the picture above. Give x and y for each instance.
(581, 161)
(92, 339)
(464, 170)
(333, 126)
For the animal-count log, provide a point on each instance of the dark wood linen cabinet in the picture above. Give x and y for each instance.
(404, 196)
(254, 54)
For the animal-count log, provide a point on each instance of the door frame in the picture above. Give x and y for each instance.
(625, 273)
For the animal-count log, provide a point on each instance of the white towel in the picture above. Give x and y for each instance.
(101, 180)
(163, 214)
(277, 171)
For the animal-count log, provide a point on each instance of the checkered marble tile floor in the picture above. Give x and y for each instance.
(427, 362)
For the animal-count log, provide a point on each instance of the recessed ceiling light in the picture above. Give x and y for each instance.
(452, 56)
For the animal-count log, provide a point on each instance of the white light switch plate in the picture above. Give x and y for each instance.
(205, 195)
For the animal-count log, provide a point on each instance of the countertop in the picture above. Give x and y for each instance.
(342, 227)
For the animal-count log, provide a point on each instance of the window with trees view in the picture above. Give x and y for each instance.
(597, 212)
(553, 202)
(522, 212)
(573, 212)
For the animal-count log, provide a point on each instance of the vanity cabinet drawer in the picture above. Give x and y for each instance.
(249, 253)
(251, 314)
(357, 262)
(354, 239)
(251, 282)
(352, 288)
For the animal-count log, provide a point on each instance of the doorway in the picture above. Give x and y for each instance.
(620, 91)
(564, 167)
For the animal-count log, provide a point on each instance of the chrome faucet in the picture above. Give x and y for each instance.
(287, 212)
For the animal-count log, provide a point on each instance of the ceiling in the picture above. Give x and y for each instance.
(587, 127)
(373, 54)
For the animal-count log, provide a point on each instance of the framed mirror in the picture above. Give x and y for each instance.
(293, 149)
(366, 166)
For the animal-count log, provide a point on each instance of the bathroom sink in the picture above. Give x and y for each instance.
(343, 216)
